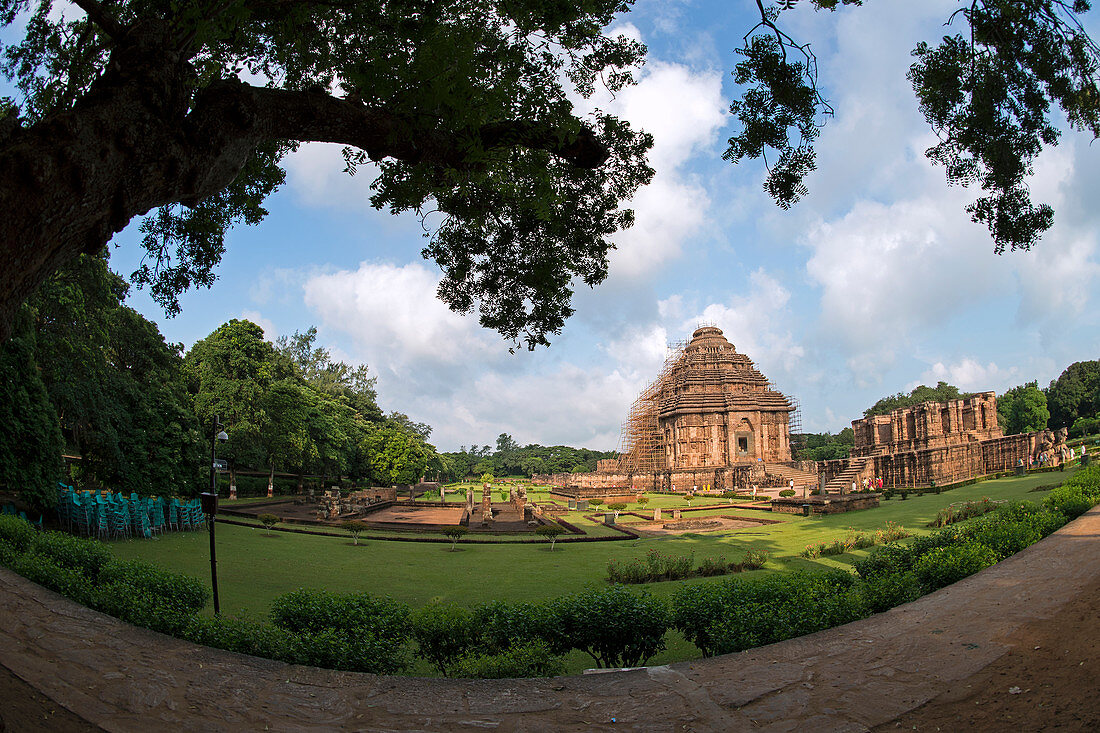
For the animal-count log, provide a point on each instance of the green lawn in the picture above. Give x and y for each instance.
(254, 565)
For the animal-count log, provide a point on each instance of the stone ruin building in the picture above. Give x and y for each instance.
(710, 420)
(945, 442)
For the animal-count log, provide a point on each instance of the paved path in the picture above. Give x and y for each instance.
(851, 678)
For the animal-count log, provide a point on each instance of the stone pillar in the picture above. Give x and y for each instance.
(675, 513)
(486, 501)
(232, 491)
(657, 514)
(470, 500)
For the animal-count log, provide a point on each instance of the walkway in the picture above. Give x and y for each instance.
(853, 678)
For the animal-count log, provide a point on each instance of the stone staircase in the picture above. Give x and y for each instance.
(801, 478)
(843, 482)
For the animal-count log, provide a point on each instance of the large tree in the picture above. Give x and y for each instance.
(1022, 409)
(986, 90)
(1074, 394)
(186, 109)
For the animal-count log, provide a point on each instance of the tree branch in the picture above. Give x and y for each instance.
(99, 15)
(312, 116)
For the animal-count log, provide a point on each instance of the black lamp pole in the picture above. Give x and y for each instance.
(210, 507)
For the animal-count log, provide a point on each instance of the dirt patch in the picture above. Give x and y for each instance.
(701, 524)
(418, 515)
(1048, 681)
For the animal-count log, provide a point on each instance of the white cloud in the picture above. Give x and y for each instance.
(270, 332)
(315, 174)
(393, 314)
(683, 108)
(969, 375)
(885, 270)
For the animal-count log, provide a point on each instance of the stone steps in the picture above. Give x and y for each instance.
(843, 481)
(789, 473)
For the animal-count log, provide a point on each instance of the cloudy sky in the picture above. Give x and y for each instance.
(874, 283)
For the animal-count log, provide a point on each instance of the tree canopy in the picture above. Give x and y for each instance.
(986, 91)
(184, 112)
(942, 392)
(1074, 394)
(187, 109)
(1022, 409)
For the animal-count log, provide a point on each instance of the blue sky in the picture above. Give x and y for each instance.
(874, 283)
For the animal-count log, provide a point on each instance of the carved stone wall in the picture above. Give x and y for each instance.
(945, 442)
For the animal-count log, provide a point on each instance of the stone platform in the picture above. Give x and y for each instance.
(825, 504)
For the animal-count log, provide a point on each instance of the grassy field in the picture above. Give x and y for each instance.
(255, 565)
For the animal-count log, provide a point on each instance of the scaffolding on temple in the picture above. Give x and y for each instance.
(642, 448)
(696, 377)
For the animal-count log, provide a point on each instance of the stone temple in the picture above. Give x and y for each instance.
(709, 420)
(709, 408)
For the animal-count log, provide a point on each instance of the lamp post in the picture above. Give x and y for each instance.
(210, 506)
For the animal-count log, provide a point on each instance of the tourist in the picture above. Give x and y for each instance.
(754, 492)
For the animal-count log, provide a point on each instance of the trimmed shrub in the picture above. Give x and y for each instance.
(886, 560)
(174, 589)
(883, 592)
(614, 626)
(86, 556)
(16, 532)
(313, 611)
(786, 493)
(47, 571)
(534, 659)
(444, 633)
(738, 614)
(501, 626)
(942, 566)
(8, 554)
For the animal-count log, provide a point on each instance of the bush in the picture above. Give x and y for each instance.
(268, 520)
(313, 611)
(754, 559)
(942, 566)
(47, 571)
(883, 592)
(786, 493)
(960, 512)
(444, 633)
(16, 532)
(175, 590)
(886, 560)
(501, 626)
(614, 626)
(627, 571)
(86, 556)
(712, 566)
(738, 614)
(533, 659)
